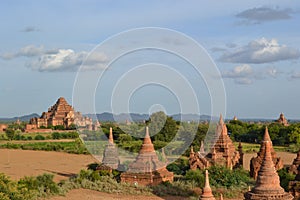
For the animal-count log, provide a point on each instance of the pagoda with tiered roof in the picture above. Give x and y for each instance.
(147, 169)
(222, 151)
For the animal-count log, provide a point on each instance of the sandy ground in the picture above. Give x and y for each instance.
(20, 163)
(83, 194)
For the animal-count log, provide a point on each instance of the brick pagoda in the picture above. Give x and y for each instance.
(294, 167)
(267, 183)
(110, 158)
(147, 169)
(255, 163)
(206, 191)
(282, 120)
(222, 151)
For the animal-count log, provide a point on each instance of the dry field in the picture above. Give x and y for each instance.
(20, 163)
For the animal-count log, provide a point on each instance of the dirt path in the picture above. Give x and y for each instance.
(19, 163)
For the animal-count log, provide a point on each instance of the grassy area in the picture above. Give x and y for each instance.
(75, 147)
(251, 148)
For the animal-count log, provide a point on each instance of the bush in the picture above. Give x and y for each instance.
(221, 177)
(285, 178)
(56, 136)
(29, 188)
(179, 167)
(39, 137)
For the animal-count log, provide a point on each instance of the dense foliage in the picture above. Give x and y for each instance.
(253, 133)
(28, 188)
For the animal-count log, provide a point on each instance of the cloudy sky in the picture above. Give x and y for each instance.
(254, 44)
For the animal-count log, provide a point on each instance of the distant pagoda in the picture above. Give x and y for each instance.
(267, 184)
(282, 120)
(110, 158)
(256, 162)
(147, 169)
(222, 152)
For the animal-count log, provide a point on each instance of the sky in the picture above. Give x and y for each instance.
(47, 46)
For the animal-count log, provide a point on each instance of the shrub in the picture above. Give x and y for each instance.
(285, 178)
(56, 135)
(39, 137)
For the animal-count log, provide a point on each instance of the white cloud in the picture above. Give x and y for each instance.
(51, 60)
(261, 51)
(67, 60)
(239, 72)
(295, 75)
(242, 74)
(27, 51)
(259, 15)
(245, 74)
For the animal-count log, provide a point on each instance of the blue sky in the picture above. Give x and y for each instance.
(255, 45)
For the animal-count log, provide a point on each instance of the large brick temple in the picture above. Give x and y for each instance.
(147, 169)
(222, 152)
(61, 113)
(255, 162)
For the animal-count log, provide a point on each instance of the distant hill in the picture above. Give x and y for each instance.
(24, 118)
(105, 117)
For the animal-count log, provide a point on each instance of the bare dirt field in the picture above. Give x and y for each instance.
(19, 163)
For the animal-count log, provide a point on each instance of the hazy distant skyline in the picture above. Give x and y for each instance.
(255, 45)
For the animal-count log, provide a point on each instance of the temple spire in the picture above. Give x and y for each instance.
(147, 146)
(266, 136)
(221, 122)
(207, 192)
(111, 138)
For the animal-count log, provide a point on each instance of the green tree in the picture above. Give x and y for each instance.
(10, 133)
(164, 127)
(294, 136)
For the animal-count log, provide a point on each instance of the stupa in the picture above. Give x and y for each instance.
(147, 169)
(294, 167)
(267, 184)
(256, 162)
(222, 151)
(206, 191)
(110, 158)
